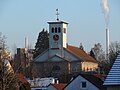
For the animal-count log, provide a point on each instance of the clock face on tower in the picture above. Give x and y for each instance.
(55, 37)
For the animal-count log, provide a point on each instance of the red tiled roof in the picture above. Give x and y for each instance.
(59, 86)
(82, 55)
(21, 78)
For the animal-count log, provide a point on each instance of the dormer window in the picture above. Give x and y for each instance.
(55, 30)
(52, 30)
(59, 30)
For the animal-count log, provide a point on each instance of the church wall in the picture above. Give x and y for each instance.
(64, 37)
(50, 68)
(89, 66)
(75, 67)
(37, 69)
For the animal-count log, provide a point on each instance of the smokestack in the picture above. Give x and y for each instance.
(105, 8)
(107, 44)
(26, 42)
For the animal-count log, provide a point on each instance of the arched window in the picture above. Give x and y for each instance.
(52, 30)
(59, 29)
(55, 30)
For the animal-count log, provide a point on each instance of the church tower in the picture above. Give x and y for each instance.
(57, 36)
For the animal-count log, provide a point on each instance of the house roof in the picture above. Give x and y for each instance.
(59, 86)
(21, 78)
(57, 22)
(82, 55)
(113, 78)
(92, 79)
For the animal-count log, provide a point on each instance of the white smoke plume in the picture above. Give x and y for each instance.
(105, 8)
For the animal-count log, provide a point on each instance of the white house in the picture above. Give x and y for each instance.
(85, 82)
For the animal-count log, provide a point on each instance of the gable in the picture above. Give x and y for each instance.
(56, 58)
(42, 57)
(76, 84)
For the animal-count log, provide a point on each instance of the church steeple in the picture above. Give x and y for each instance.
(57, 14)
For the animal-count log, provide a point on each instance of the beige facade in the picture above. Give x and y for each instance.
(89, 66)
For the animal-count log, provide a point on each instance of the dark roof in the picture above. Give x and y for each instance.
(92, 79)
(57, 22)
(82, 55)
(113, 78)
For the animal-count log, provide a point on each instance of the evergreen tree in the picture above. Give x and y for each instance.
(92, 54)
(42, 43)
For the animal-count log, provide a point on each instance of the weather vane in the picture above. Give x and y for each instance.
(57, 14)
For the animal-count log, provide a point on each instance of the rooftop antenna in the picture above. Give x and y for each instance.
(57, 14)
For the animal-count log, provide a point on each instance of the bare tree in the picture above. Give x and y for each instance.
(114, 50)
(98, 52)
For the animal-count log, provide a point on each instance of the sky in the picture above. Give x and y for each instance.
(21, 18)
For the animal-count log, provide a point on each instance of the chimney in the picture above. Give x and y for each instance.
(107, 44)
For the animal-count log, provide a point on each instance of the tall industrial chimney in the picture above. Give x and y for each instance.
(26, 42)
(107, 44)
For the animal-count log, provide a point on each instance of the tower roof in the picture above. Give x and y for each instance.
(56, 22)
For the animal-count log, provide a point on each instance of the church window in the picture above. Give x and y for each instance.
(64, 30)
(52, 30)
(55, 30)
(59, 29)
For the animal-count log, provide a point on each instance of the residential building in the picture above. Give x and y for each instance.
(85, 82)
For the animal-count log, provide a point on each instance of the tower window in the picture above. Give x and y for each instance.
(59, 29)
(52, 30)
(55, 30)
(64, 30)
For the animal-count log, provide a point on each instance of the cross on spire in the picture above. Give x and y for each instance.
(57, 14)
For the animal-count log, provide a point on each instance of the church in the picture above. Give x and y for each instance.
(61, 58)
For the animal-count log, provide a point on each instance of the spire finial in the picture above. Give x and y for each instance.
(57, 14)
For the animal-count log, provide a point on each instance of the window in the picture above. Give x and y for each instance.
(52, 30)
(84, 84)
(64, 30)
(59, 29)
(55, 30)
